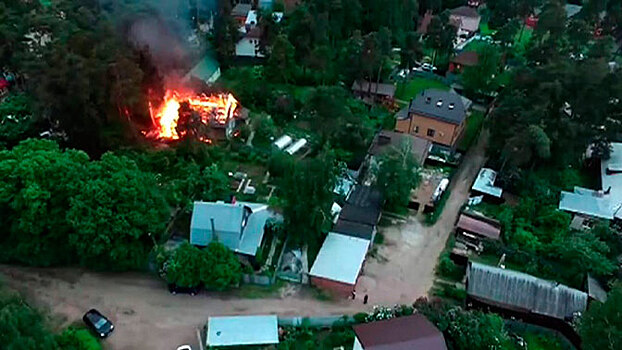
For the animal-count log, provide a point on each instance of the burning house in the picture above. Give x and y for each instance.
(205, 117)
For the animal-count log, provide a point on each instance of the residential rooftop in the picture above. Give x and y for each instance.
(242, 330)
(438, 104)
(411, 332)
(340, 258)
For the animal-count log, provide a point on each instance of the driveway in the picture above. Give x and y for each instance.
(148, 317)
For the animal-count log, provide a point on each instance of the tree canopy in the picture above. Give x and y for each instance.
(601, 326)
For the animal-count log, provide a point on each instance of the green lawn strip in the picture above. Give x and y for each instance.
(407, 90)
(473, 125)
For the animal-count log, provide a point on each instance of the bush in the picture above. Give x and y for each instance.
(430, 218)
(215, 267)
(77, 339)
(447, 268)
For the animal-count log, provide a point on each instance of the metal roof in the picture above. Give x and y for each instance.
(479, 226)
(228, 223)
(340, 258)
(485, 183)
(590, 205)
(354, 229)
(595, 290)
(523, 292)
(241, 10)
(376, 89)
(401, 333)
(363, 205)
(465, 11)
(242, 330)
(443, 105)
(613, 179)
(205, 69)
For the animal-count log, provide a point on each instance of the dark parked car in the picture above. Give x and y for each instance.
(175, 289)
(98, 323)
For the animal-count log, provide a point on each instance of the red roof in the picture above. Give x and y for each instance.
(3, 83)
(466, 58)
(480, 226)
(412, 332)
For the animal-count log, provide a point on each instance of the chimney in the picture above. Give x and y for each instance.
(428, 100)
(439, 104)
(451, 106)
(213, 229)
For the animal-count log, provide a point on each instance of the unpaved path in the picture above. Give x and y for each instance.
(148, 317)
(404, 267)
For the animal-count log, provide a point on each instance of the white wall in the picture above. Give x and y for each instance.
(248, 47)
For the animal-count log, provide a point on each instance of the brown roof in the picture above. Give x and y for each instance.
(466, 58)
(481, 226)
(376, 89)
(254, 33)
(425, 22)
(465, 11)
(412, 332)
(386, 140)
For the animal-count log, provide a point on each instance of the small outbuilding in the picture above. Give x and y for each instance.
(374, 92)
(339, 263)
(242, 331)
(413, 332)
(472, 228)
(485, 185)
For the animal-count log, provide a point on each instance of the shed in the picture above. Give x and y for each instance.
(363, 205)
(480, 226)
(355, 229)
(523, 293)
(413, 332)
(485, 183)
(386, 141)
(384, 90)
(587, 202)
(338, 263)
(242, 330)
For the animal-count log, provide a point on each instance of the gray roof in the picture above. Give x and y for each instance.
(205, 68)
(354, 229)
(522, 292)
(595, 290)
(465, 11)
(228, 223)
(587, 202)
(340, 258)
(572, 10)
(241, 10)
(242, 330)
(611, 177)
(485, 183)
(386, 140)
(439, 104)
(376, 89)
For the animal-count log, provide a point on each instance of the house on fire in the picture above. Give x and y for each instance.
(435, 115)
(413, 332)
(239, 226)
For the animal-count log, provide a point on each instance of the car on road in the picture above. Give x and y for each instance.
(175, 289)
(184, 347)
(98, 323)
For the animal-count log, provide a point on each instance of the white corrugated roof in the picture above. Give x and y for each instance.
(613, 180)
(485, 183)
(584, 203)
(242, 330)
(340, 258)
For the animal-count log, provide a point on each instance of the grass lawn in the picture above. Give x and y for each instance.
(485, 30)
(542, 342)
(407, 90)
(472, 128)
(521, 40)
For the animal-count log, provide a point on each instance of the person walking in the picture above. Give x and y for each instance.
(365, 299)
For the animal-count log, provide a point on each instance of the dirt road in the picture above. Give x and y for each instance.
(148, 317)
(404, 269)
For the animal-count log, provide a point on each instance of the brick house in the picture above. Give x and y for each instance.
(435, 115)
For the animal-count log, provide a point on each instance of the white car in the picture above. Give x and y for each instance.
(184, 347)
(428, 67)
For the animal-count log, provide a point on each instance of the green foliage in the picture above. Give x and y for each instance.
(117, 210)
(38, 185)
(215, 267)
(77, 339)
(431, 218)
(398, 174)
(447, 268)
(468, 330)
(473, 126)
(281, 63)
(601, 326)
(16, 119)
(21, 327)
(307, 189)
(481, 78)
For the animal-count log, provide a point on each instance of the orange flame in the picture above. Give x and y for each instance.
(213, 109)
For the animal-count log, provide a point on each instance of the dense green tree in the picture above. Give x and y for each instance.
(411, 50)
(601, 325)
(21, 327)
(77, 339)
(397, 175)
(184, 266)
(281, 63)
(481, 78)
(16, 119)
(226, 33)
(307, 191)
(38, 184)
(440, 35)
(118, 214)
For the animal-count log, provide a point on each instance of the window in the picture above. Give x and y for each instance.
(416, 131)
(431, 132)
